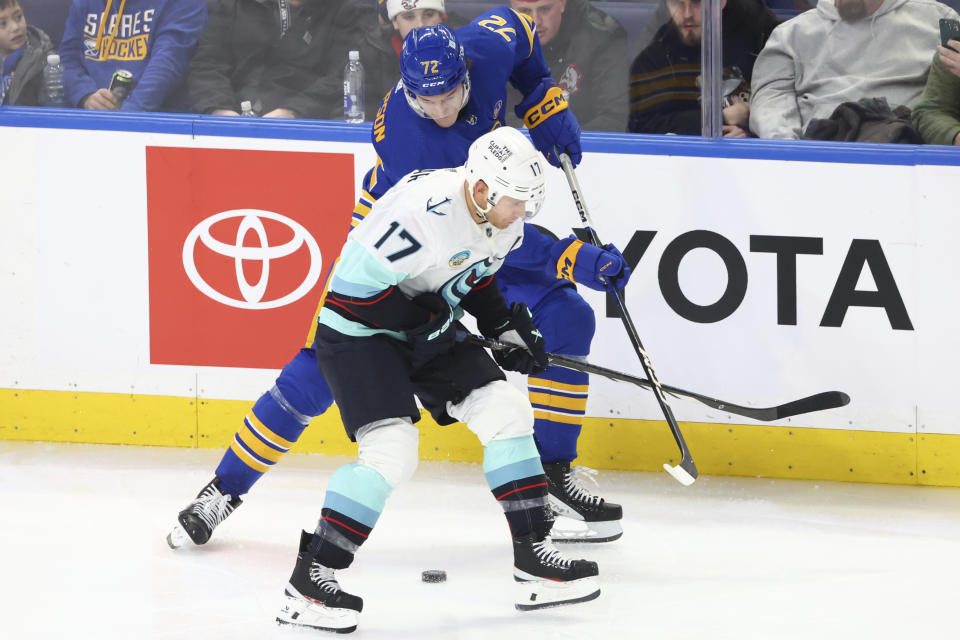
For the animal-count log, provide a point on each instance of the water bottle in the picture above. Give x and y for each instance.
(353, 89)
(53, 82)
(246, 109)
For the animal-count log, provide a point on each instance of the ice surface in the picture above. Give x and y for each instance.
(82, 555)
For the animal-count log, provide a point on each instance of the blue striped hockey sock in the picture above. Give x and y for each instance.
(559, 399)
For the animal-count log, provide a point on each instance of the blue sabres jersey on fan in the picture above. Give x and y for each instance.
(502, 47)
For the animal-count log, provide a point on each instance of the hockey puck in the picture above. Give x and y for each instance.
(434, 575)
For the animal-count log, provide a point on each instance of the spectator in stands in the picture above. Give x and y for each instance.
(380, 47)
(665, 76)
(313, 76)
(937, 114)
(151, 39)
(843, 52)
(23, 52)
(586, 51)
(285, 58)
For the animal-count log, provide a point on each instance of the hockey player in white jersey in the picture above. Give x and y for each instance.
(427, 252)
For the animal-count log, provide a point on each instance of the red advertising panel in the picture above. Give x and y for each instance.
(240, 244)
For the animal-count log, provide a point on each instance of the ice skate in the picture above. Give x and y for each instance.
(313, 597)
(198, 520)
(546, 578)
(580, 515)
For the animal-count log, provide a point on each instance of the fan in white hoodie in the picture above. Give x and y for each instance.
(842, 51)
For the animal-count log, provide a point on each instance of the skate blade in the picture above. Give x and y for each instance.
(300, 612)
(177, 537)
(569, 530)
(542, 594)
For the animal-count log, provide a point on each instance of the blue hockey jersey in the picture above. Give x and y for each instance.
(502, 46)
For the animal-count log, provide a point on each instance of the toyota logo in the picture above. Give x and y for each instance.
(252, 220)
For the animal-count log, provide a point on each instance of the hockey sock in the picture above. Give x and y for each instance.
(256, 447)
(274, 424)
(355, 498)
(559, 399)
(517, 481)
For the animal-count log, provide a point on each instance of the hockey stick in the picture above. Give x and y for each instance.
(686, 472)
(816, 402)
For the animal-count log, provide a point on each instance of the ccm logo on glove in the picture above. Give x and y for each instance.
(552, 102)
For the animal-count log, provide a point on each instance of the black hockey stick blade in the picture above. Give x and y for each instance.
(816, 402)
(811, 404)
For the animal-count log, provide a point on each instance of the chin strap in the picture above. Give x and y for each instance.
(481, 211)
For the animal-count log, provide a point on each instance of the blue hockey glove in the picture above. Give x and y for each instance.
(435, 337)
(530, 356)
(587, 264)
(553, 127)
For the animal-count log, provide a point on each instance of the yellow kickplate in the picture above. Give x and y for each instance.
(106, 418)
(718, 449)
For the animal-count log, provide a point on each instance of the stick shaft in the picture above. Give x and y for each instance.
(577, 193)
(809, 404)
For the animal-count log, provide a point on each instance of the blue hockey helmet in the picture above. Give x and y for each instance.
(433, 62)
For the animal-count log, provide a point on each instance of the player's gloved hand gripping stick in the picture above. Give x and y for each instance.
(551, 124)
(435, 337)
(523, 347)
(686, 472)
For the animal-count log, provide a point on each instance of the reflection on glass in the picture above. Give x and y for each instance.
(24, 49)
(585, 48)
(665, 77)
(844, 70)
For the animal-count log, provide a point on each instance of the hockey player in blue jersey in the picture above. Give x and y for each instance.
(428, 121)
(387, 332)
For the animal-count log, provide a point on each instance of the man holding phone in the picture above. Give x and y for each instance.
(937, 114)
(843, 51)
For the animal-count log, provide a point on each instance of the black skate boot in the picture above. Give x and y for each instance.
(548, 579)
(313, 597)
(201, 517)
(599, 520)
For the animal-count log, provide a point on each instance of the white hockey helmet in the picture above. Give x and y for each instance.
(510, 166)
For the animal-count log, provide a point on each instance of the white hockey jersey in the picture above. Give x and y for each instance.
(419, 237)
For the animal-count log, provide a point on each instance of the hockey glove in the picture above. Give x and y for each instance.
(530, 354)
(587, 264)
(553, 127)
(435, 337)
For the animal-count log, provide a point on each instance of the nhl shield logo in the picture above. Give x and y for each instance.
(459, 258)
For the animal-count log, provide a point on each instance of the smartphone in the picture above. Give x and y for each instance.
(949, 30)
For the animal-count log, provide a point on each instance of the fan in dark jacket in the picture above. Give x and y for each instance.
(381, 43)
(665, 76)
(586, 51)
(285, 57)
(21, 65)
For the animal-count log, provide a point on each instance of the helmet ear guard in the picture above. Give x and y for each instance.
(509, 165)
